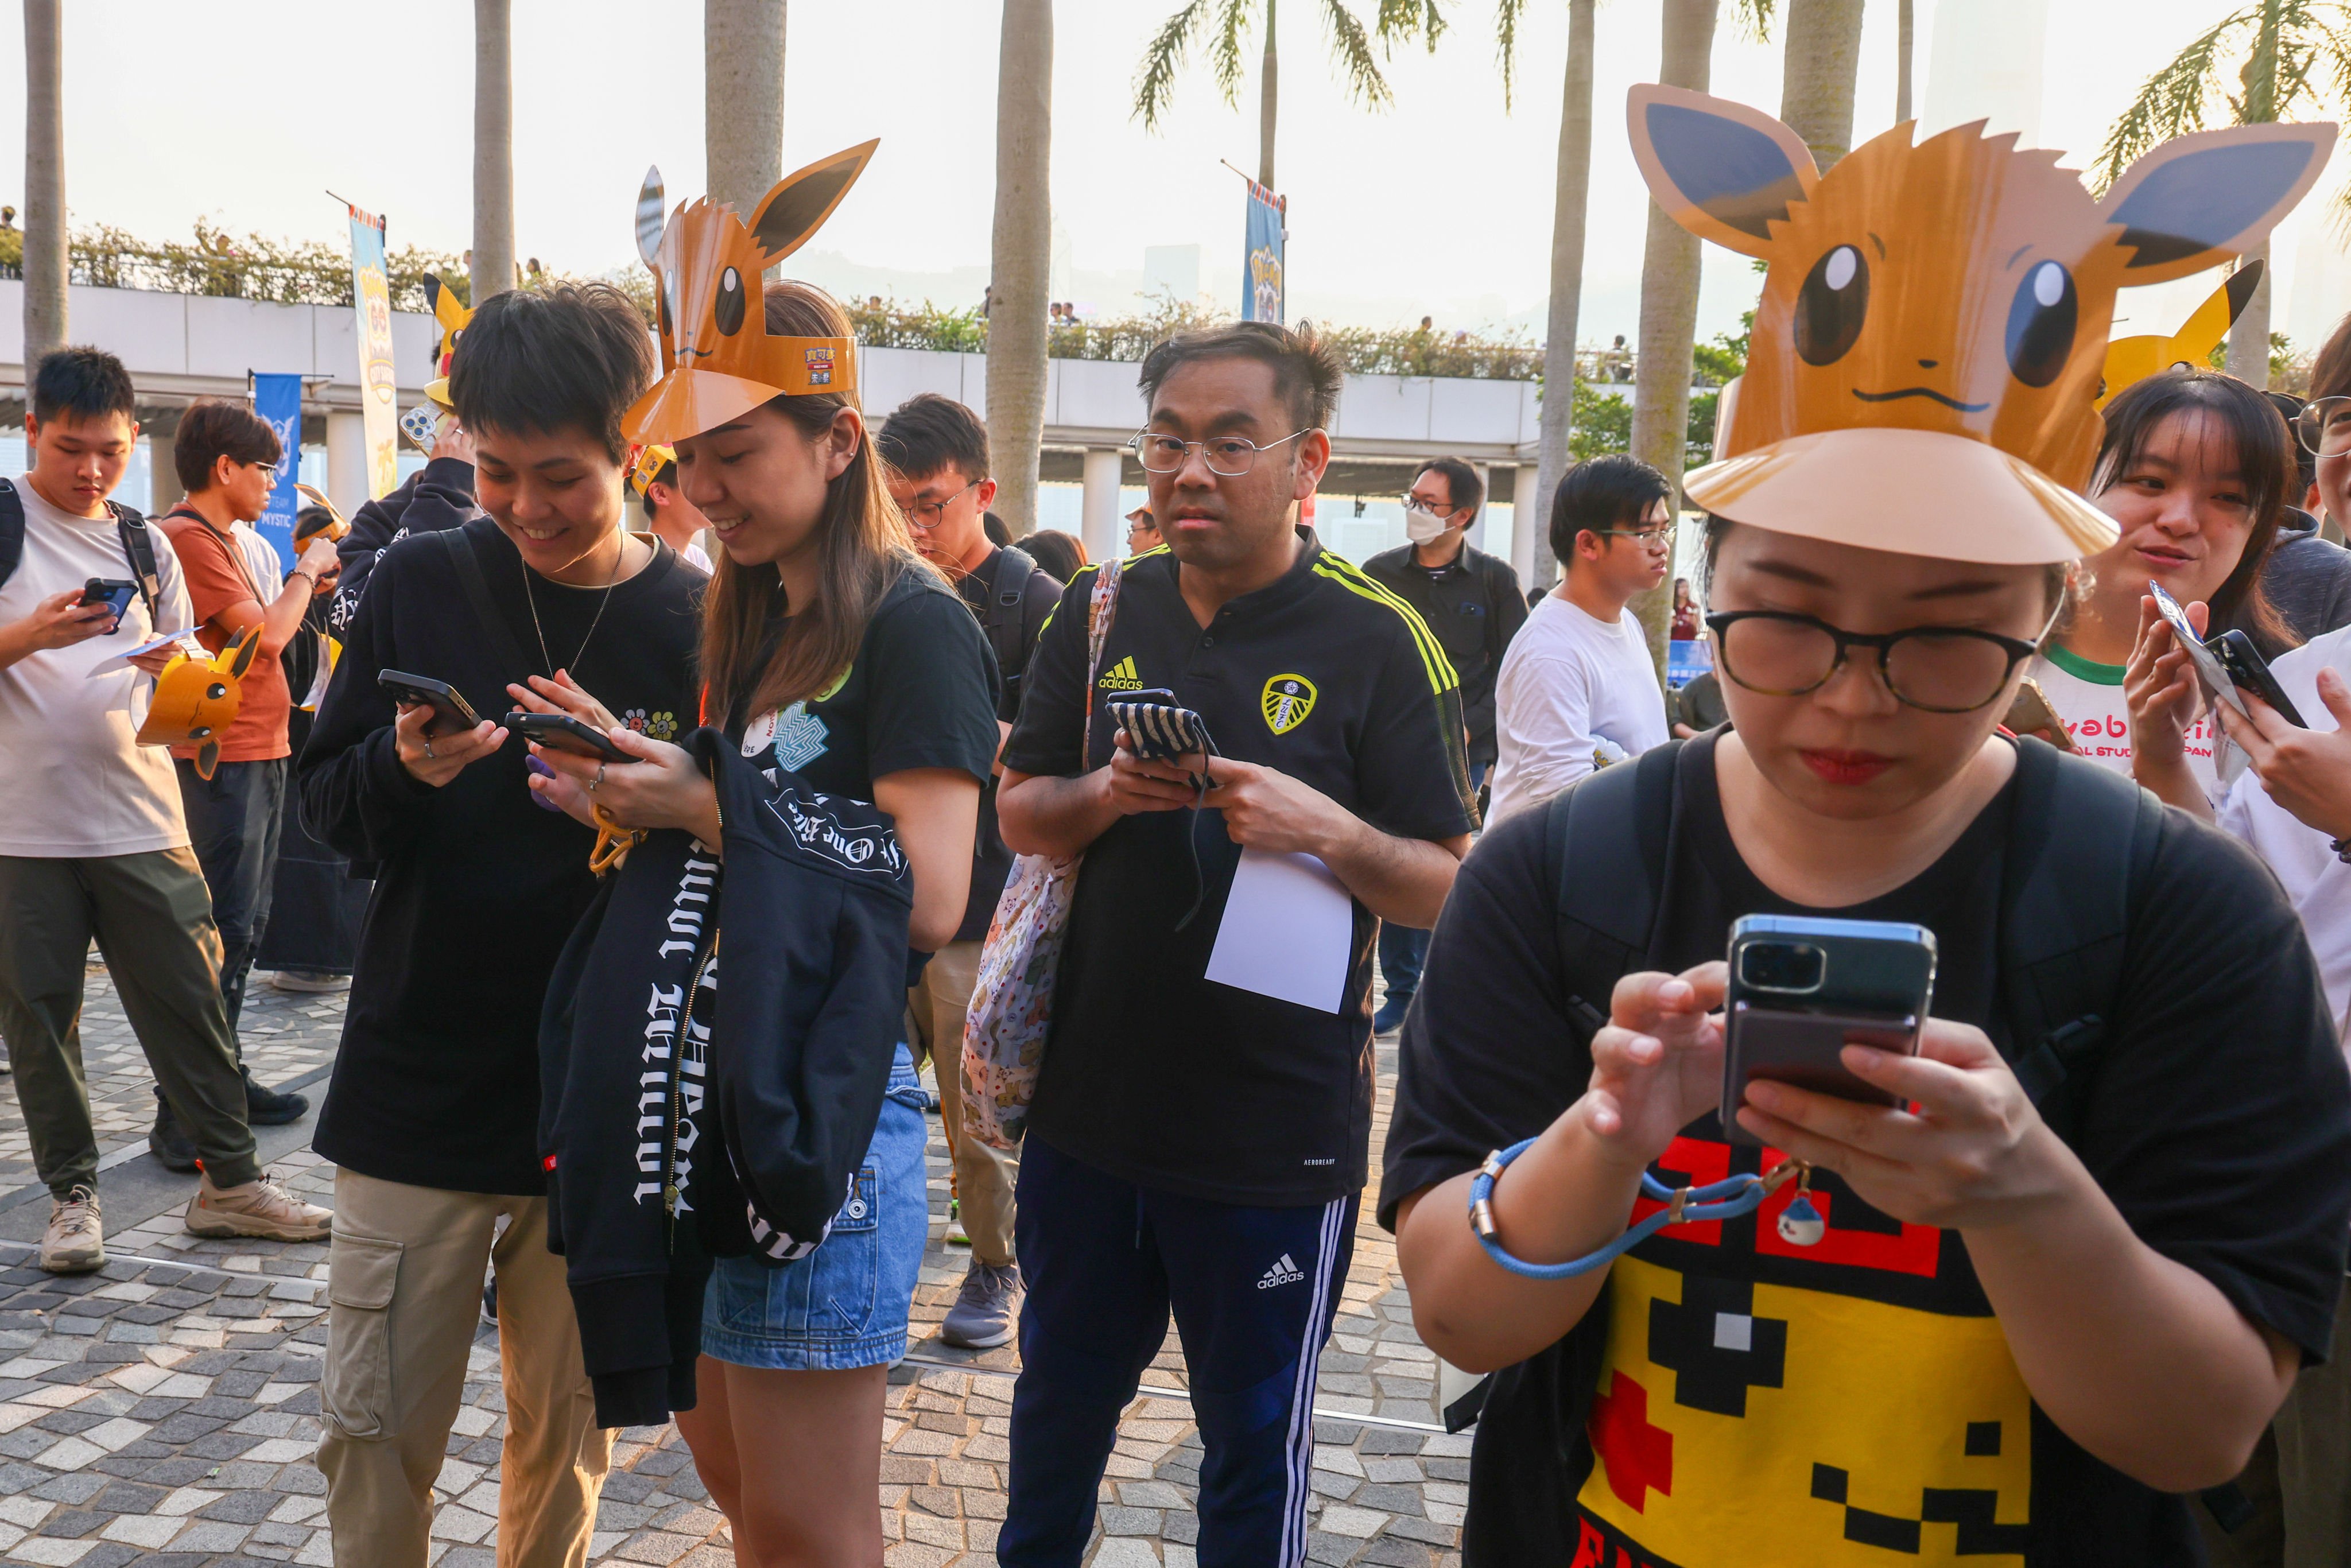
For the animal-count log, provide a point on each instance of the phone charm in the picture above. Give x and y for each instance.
(1801, 1224)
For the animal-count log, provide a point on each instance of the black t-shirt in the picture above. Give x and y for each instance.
(1760, 1402)
(1152, 1071)
(1473, 604)
(991, 862)
(436, 1083)
(921, 693)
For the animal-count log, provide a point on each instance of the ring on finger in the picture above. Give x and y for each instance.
(592, 783)
(428, 747)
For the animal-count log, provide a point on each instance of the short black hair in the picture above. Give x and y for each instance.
(668, 475)
(573, 357)
(993, 526)
(1600, 494)
(2306, 461)
(1462, 486)
(1306, 374)
(89, 383)
(927, 433)
(1061, 554)
(213, 428)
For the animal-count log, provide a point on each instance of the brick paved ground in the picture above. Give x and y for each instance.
(165, 1411)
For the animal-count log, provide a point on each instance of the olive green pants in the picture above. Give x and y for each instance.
(153, 920)
(2299, 1480)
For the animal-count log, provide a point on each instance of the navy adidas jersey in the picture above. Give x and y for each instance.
(1154, 1072)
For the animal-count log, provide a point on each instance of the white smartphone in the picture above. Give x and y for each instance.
(2208, 668)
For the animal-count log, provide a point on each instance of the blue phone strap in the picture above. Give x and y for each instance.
(1800, 1223)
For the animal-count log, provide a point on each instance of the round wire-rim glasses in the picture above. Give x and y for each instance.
(936, 511)
(2013, 651)
(2324, 426)
(1227, 456)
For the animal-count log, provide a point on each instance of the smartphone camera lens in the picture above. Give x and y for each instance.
(1796, 967)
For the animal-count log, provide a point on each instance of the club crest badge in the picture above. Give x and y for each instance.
(1287, 700)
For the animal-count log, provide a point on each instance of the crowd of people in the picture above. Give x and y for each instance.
(637, 662)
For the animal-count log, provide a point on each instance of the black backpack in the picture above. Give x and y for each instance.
(138, 545)
(1002, 617)
(2082, 840)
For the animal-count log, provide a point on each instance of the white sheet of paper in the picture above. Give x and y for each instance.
(122, 661)
(1288, 930)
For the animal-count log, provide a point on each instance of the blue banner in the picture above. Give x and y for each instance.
(279, 399)
(1261, 283)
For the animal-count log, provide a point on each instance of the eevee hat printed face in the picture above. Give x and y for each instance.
(1932, 332)
(718, 360)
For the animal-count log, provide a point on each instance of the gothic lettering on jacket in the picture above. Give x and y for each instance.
(870, 848)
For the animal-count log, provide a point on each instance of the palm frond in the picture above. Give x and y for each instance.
(1162, 58)
(1401, 21)
(1352, 46)
(1755, 19)
(1225, 53)
(2173, 101)
(1507, 15)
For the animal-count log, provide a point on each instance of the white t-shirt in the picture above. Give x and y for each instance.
(2089, 698)
(2317, 883)
(261, 560)
(1576, 693)
(75, 781)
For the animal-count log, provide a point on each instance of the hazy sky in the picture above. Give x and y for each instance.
(246, 110)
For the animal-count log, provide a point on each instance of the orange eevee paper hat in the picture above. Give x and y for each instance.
(1933, 324)
(717, 358)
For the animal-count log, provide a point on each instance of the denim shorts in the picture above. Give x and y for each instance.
(845, 1305)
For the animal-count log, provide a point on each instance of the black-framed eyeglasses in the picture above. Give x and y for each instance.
(2324, 426)
(1227, 456)
(1937, 669)
(1651, 538)
(929, 515)
(1434, 509)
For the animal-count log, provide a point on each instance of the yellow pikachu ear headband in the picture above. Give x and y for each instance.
(451, 316)
(2132, 359)
(718, 360)
(647, 468)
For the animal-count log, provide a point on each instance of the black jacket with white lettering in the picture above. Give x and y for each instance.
(674, 1128)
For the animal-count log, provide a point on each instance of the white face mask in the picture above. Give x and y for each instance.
(1421, 524)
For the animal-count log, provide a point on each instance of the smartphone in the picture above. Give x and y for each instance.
(2236, 654)
(452, 713)
(1160, 732)
(1801, 988)
(562, 731)
(422, 425)
(2029, 714)
(114, 592)
(2217, 683)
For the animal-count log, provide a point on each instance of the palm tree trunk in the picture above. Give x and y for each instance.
(1268, 96)
(1819, 63)
(494, 236)
(45, 181)
(1574, 181)
(1669, 277)
(743, 99)
(1904, 30)
(1020, 256)
(2249, 337)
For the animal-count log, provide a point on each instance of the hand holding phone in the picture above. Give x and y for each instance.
(1801, 988)
(115, 593)
(451, 713)
(562, 731)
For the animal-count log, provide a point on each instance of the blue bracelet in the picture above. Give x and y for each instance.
(1800, 1223)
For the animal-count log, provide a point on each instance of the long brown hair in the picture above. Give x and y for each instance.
(862, 545)
(2263, 452)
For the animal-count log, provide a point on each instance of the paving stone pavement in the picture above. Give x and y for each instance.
(165, 1411)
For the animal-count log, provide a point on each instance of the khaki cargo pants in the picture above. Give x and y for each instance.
(404, 1289)
(984, 1177)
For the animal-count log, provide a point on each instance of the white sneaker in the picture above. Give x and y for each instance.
(75, 1242)
(261, 1208)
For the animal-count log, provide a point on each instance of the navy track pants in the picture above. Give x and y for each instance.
(1254, 1291)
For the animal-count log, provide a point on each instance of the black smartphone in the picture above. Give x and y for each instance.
(1161, 731)
(452, 713)
(116, 594)
(2246, 667)
(1801, 988)
(562, 731)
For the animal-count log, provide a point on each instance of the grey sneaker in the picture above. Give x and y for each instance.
(983, 1309)
(75, 1242)
(261, 1208)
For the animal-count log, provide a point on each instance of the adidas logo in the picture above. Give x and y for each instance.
(1282, 1273)
(1121, 677)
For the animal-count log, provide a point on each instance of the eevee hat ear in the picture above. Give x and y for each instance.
(1721, 169)
(719, 358)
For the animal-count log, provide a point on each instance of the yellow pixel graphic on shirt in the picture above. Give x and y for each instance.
(1849, 1431)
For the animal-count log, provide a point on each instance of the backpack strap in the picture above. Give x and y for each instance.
(477, 592)
(12, 530)
(1607, 838)
(1000, 617)
(2080, 843)
(139, 545)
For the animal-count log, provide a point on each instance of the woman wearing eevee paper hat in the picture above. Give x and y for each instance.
(2017, 1323)
(840, 664)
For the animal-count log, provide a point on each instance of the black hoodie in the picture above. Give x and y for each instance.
(648, 1076)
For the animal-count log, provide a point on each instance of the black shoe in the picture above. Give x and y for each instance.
(172, 1146)
(490, 1303)
(268, 1107)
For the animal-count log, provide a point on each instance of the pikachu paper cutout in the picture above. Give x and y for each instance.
(2132, 360)
(451, 314)
(719, 358)
(1933, 322)
(197, 700)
